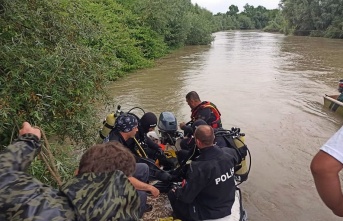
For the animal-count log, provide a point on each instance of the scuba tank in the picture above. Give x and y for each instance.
(235, 139)
(108, 124)
(241, 174)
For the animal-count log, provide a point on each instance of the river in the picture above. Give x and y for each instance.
(269, 85)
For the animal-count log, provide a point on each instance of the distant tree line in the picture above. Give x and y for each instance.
(319, 18)
(251, 18)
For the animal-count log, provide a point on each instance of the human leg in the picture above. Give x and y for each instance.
(143, 198)
(142, 172)
(180, 209)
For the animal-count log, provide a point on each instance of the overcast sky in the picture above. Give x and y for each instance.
(216, 6)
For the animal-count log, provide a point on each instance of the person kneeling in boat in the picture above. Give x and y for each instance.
(148, 123)
(340, 89)
(204, 110)
(208, 192)
(188, 148)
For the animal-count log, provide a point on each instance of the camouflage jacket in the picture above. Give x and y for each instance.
(86, 197)
(103, 196)
(23, 197)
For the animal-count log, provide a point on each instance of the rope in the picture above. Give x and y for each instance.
(48, 158)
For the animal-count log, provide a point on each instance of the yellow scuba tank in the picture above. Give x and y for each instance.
(108, 124)
(235, 139)
(241, 174)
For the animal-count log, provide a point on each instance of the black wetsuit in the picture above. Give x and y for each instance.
(189, 151)
(209, 189)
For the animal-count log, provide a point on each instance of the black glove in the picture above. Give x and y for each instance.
(160, 152)
(188, 131)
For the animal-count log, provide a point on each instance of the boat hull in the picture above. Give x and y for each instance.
(331, 102)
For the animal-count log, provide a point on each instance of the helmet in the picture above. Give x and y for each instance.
(148, 120)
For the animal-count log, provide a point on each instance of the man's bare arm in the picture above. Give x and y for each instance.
(139, 185)
(325, 170)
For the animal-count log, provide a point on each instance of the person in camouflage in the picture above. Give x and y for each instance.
(101, 191)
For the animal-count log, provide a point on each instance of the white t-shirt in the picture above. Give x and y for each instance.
(334, 146)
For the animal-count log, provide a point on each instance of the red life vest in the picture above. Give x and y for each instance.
(206, 104)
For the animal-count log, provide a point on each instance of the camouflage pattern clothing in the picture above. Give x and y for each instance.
(95, 196)
(23, 197)
(103, 196)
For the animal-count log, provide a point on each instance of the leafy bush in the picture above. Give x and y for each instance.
(272, 27)
(65, 164)
(334, 32)
(48, 76)
(200, 31)
(317, 33)
(245, 22)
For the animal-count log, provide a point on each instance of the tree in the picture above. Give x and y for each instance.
(245, 22)
(233, 10)
(313, 17)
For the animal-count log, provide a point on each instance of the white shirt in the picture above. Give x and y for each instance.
(334, 146)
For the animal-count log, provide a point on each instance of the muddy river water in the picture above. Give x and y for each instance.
(269, 85)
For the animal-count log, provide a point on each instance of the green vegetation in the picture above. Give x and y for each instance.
(251, 18)
(66, 164)
(58, 55)
(315, 18)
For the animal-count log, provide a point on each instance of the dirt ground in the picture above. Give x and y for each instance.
(161, 211)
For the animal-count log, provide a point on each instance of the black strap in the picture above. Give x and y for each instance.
(242, 151)
(108, 126)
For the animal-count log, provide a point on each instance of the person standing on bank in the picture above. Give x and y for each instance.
(204, 110)
(208, 192)
(325, 168)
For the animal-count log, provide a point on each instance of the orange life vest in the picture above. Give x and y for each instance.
(206, 104)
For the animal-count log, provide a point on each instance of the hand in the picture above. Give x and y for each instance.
(154, 191)
(160, 152)
(28, 129)
(182, 124)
